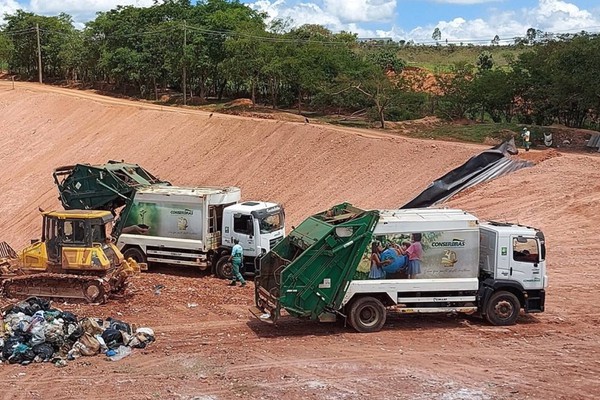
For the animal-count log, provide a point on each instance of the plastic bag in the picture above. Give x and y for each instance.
(121, 352)
(36, 328)
(21, 354)
(103, 347)
(89, 346)
(37, 335)
(44, 351)
(9, 346)
(113, 338)
(91, 326)
(12, 321)
(69, 317)
(54, 332)
(74, 332)
(142, 337)
(119, 325)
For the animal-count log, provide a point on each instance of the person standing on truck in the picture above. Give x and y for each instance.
(415, 252)
(236, 258)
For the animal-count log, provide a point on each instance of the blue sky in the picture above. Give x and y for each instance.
(458, 20)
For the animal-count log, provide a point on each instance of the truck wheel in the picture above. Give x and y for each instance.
(502, 309)
(136, 253)
(367, 314)
(224, 269)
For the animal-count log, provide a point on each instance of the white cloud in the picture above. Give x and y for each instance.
(7, 7)
(468, 2)
(81, 10)
(554, 16)
(81, 6)
(361, 10)
(300, 14)
(560, 16)
(336, 15)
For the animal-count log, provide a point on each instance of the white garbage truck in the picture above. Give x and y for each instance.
(321, 269)
(196, 227)
(161, 223)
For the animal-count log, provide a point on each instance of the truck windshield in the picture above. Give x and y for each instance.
(271, 223)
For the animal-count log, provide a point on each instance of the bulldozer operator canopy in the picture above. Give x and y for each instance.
(101, 215)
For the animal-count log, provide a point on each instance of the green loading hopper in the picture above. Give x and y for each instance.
(308, 272)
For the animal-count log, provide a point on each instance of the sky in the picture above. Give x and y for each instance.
(458, 20)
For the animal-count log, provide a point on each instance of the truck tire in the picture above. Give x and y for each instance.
(136, 253)
(502, 309)
(224, 269)
(367, 314)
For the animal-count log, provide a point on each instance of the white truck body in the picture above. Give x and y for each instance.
(188, 226)
(464, 264)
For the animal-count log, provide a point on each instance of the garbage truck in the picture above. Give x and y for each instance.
(320, 271)
(158, 222)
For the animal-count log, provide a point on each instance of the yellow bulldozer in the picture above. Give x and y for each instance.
(75, 258)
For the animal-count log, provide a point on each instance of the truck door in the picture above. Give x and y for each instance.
(524, 263)
(243, 230)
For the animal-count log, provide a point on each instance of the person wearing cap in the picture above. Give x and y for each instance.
(236, 258)
(526, 135)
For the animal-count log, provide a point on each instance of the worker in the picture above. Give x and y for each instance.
(526, 138)
(236, 258)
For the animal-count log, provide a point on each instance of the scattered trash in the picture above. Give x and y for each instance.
(32, 331)
(121, 352)
(157, 289)
(192, 305)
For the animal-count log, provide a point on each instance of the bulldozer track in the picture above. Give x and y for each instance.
(92, 289)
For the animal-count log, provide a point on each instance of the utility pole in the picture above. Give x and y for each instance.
(184, 64)
(37, 30)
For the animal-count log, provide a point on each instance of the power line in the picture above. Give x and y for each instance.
(376, 42)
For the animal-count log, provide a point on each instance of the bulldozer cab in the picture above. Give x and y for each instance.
(74, 229)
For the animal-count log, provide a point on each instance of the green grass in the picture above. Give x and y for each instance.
(476, 133)
(442, 58)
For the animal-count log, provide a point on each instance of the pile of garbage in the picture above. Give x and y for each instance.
(32, 331)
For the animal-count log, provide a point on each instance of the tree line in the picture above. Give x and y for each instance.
(223, 49)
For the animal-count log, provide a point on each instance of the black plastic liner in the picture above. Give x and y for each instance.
(486, 166)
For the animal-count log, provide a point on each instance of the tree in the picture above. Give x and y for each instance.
(455, 100)
(496, 40)
(6, 49)
(437, 34)
(387, 59)
(485, 61)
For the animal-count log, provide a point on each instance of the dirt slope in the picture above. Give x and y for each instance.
(214, 351)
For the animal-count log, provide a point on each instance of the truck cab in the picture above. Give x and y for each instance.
(514, 256)
(258, 226)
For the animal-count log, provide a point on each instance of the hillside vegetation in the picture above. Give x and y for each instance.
(219, 50)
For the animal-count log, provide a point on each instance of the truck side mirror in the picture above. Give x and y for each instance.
(250, 227)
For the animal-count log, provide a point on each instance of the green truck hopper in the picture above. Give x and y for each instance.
(102, 187)
(308, 272)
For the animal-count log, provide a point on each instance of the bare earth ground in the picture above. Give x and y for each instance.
(209, 348)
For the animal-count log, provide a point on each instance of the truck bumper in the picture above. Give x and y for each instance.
(535, 301)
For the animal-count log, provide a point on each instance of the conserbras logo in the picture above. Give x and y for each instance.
(185, 211)
(449, 243)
